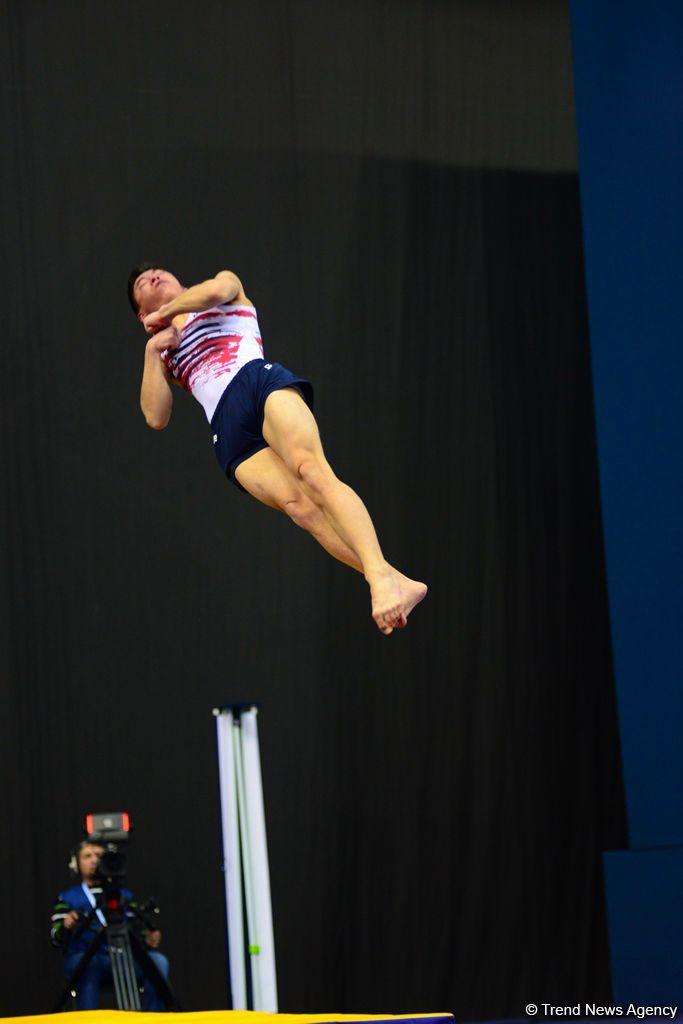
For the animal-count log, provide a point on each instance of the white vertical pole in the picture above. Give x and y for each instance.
(262, 937)
(249, 895)
(231, 857)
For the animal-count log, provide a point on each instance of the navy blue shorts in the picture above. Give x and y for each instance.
(237, 423)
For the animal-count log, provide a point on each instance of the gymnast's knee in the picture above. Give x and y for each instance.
(302, 511)
(316, 476)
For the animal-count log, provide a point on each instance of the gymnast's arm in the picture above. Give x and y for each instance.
(156, 398)
(224, 287)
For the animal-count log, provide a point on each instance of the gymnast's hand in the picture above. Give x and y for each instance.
(169, 337)
(155, 321)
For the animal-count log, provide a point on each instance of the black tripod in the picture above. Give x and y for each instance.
(125, 947)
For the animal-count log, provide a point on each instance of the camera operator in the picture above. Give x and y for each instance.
(71, 934)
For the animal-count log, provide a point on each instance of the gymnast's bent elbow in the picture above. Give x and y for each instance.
(156, 419)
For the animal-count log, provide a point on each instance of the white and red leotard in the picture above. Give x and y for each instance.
(214, 345)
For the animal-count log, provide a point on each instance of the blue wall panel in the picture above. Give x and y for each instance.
(628, 73)
(645, 910)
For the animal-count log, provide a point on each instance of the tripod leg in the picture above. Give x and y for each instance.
(123, 969)
(121, 1001)
(74, 982)
(152, 974)
(130, 979)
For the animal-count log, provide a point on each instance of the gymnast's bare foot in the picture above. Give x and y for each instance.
(412, 592)
(387, 600)
(393, 598)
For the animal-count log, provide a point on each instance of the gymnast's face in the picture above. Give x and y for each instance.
(153, 288)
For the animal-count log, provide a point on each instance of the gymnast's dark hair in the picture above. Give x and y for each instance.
(132, 278)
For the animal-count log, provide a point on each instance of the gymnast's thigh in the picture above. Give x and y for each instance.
(266, 477)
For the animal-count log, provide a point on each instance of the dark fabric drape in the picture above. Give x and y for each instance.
(406, 219)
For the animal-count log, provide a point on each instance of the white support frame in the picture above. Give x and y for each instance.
(247, 879)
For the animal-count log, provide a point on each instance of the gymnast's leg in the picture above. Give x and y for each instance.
(265, 476)
(268, 479)
(291, 431)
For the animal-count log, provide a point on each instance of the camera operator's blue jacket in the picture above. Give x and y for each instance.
(78, 938)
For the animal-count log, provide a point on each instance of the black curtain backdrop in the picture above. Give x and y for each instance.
(395, 184)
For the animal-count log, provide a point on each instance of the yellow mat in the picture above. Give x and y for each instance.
(210, 1017)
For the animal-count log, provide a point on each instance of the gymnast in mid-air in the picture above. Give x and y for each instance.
(206, 339)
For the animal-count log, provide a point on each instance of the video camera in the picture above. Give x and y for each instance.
(112, 832)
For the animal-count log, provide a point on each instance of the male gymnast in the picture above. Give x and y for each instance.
(206, 339)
